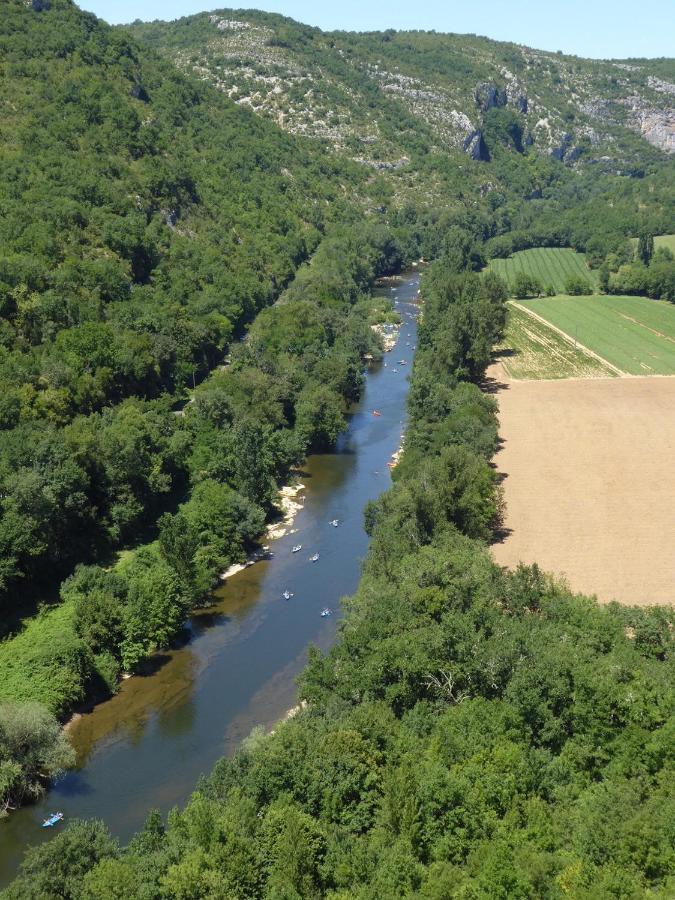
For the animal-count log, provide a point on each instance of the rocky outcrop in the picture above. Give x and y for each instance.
(564, 150)
(488, 95)
(39, 5)
(561, 149)
(658, 127)
(515, 97)
(475, 146)
(382, 165)
(138, 92)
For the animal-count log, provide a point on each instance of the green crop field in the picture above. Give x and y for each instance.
(660, 240)
(665, 240)
(533, 350)
(551, 265)
(633, 333)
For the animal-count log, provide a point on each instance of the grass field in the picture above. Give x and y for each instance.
(633, 333)
(660, 240)
(530, 349)
(551, 265)
(590, 482)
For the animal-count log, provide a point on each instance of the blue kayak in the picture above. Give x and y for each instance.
(52, 820)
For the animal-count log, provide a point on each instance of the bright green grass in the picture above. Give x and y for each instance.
(634, 333)
(660, 240)
(665, 240)
(551, 265)
(45, 662)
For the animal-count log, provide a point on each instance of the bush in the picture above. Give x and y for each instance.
(32, 748)
(577, 286)
(525, 285)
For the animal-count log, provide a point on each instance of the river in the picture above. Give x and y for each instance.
(147, 746)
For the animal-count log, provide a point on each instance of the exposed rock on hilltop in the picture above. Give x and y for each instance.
(348, 89)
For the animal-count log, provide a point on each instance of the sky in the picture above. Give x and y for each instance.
(593, 28)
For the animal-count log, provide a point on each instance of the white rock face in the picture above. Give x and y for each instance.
(658, 127)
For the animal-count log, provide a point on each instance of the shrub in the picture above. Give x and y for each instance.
(577, 286)
(32, 748)
(525, 285)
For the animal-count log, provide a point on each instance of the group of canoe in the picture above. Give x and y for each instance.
(314, 558)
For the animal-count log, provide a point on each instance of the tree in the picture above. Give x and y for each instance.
(319, 417)
(32, 749)
(99, 597)
(645, 247)
(578, 286)
(57, 868)
(525, 285)
(157, 605)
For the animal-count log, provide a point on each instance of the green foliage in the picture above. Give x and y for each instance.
(645, 247)
(146, 221)
(59, 867)
(526, 286)
(575, 285)
(47, 662)
(98, 597)
(319, 416)
(32, 748)
(656, 280)
(157, 605)
(453, 746)
(473, 732)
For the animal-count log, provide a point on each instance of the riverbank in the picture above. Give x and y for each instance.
(289, 507)
(147, 745)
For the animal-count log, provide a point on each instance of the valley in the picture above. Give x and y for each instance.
(336, 376)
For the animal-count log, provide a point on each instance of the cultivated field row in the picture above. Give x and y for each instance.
(533, 350)
(634, 334)
(551, 265)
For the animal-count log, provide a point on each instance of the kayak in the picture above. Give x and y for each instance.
(52, 820)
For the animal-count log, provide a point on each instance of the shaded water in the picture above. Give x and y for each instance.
(147, 746)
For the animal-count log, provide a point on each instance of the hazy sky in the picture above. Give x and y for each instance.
(597, 28)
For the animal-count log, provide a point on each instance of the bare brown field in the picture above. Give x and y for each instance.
(590, 483)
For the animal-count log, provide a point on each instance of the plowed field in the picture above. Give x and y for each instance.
(590, 483)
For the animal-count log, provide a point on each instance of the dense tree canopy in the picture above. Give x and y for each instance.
(184, 313)
(474, 732)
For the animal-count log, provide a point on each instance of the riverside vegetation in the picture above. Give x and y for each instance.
(161, 244)
(474, 733)
(146, 222)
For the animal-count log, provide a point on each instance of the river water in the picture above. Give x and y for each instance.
(147, 746)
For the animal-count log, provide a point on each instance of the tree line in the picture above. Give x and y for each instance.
(474, 732)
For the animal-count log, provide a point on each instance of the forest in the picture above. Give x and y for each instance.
(474, 732)
(184, 312)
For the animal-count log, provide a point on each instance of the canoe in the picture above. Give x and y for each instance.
(52, 820)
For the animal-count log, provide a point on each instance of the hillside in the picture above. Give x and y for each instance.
(383, 95)
(193, 216)
(145, 221)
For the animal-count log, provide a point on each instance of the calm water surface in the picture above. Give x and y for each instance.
(147, 746)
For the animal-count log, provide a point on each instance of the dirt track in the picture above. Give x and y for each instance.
(590, 486)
